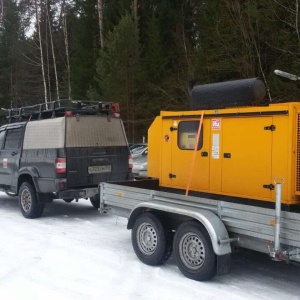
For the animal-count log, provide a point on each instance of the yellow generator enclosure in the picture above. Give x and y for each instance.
(241, 151)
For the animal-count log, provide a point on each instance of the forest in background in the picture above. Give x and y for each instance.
(142, 53)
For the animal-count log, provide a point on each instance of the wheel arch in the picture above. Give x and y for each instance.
(214, 226)
(27, 175)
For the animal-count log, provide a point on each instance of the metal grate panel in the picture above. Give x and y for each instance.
(298, 157)
(45, 134)
(94, 131)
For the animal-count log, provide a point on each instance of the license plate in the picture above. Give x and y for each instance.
(99, 169)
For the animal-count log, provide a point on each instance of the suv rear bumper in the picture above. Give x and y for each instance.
(76, 194)
(56, 186)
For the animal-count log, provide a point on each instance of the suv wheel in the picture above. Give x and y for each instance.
(95, 201)
(28, 203)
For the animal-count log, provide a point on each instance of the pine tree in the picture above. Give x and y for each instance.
(10, 35)
(83, 46)
(118, 70)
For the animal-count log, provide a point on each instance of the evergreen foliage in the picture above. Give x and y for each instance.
(146, 63)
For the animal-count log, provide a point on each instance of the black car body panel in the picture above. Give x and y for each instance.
(92, 148)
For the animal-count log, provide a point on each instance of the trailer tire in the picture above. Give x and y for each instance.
(193, 251)
(28, 203)
(151, 241)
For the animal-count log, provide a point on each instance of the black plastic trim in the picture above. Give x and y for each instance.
(248, 114)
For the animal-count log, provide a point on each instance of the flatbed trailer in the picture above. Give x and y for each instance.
(201, 232)
(224, 148)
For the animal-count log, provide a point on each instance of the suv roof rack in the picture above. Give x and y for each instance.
(58, 108)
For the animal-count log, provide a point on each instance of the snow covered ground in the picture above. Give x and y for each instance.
(73, 252)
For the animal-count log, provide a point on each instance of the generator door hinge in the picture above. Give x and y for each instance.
(271, 127)
(172, 176)
(271, 186)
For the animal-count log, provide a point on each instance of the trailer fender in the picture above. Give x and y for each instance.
(214, 226)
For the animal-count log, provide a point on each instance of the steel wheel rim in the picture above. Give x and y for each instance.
(146, 238)
(192, 251)
(26, 200)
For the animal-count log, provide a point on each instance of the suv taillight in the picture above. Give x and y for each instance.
(60, 165)
(116, 109)
(130, 162)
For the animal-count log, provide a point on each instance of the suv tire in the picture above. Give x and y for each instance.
(95, 201)
(28, 203)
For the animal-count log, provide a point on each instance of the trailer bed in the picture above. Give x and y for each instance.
(249, 226)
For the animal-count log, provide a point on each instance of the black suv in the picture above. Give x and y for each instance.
(61, 150)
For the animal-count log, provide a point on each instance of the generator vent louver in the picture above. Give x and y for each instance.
(298, 157)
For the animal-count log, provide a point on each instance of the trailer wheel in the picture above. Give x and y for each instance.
(28, 203)
(193, 251)
(150, 240)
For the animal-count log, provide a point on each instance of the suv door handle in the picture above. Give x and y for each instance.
(14, 153)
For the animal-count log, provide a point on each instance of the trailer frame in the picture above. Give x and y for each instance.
(229, 225)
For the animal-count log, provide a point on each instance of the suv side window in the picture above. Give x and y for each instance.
(2, 136)
(13, 139)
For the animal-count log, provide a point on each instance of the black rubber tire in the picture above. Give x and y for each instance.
(28, 203)
(95, 200)
(151, 241)
(193, 252)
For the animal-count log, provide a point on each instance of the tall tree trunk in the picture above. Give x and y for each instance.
(1, 9)
(65, 31)
(47, 58)
(135, 13)
(53, 55)
(297, 20)
(100, 15)
(187, 56)
(37, 12)
(11, 88)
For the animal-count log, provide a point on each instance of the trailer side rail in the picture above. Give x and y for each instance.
(242, 221)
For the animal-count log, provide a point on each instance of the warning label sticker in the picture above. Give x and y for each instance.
(216, 124)
(216, 146)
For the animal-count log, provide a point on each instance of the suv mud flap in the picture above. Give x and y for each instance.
(44, 198)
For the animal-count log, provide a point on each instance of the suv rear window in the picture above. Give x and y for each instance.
(2, 136)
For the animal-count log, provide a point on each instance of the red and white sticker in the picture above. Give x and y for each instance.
(4, 163)
(216, 124)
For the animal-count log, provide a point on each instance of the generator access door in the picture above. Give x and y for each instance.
(246, 156)
(183, 139)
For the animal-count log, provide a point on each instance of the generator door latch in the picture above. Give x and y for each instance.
(173, 128)
(271, 127)
(172, 176)
(271, 186)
